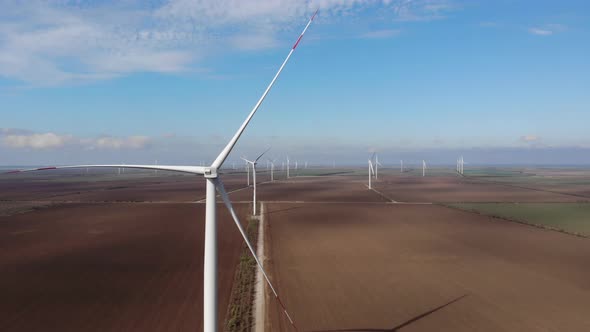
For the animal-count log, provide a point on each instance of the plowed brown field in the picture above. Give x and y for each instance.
(422, 268)
(110, 267)
(344, 258)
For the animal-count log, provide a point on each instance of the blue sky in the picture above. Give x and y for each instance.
(131, 81)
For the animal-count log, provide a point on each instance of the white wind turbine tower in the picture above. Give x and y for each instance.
(371, 171)
(401, 166)
(248, 174)
(462, 165)
(214, 183)
(377, 164)
(253, 164)
(288, 165)
(272, 170)
(423, 168)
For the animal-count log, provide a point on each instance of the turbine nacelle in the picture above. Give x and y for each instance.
(210, 172)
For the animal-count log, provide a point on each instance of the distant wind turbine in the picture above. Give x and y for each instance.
(253, 164)
(377, 164)
(371, 171)
(462, 165)
(288, 166)
(248, 174)
(272, 170)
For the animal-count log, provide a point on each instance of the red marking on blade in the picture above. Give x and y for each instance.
(297, 42)
(314, 14)
(45, 168)
(12, 172)
(286, 313)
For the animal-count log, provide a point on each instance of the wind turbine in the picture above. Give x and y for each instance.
(462, 165)
(272, 170)
(288, 165)
(371, 171)
(253, 164)
(214, 183)
(423, 168)
(401, 167)
(377, 164)
(248, 173)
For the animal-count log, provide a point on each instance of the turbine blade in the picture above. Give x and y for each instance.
(181, 169)
(230, 145)
(261, 155)
(228, 205)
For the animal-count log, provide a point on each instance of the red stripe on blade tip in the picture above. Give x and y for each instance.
(297, 42)
(314, 14)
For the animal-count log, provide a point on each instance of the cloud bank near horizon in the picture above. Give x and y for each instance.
(21, 139)
(53, 148)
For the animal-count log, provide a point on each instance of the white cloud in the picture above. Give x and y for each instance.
(530, 138)
(381, 34)
(253, 42)
(540, 32)
(24, 139)
(547, 30)
(35, 141)
(49, 42)
(132, 142)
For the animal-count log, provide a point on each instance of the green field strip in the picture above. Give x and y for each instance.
(573, 218)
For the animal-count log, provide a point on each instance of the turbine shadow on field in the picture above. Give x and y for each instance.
(400, 326)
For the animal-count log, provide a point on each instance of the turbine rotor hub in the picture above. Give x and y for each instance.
(210, 173)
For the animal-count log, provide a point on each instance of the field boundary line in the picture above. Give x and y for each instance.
(529, 188)
(381, 194)
(55, 203)
(229, 192)
(393, 201)
(517, 221)
(259, 296)
(236, 190)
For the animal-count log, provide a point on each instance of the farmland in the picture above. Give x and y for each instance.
(102, 252)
